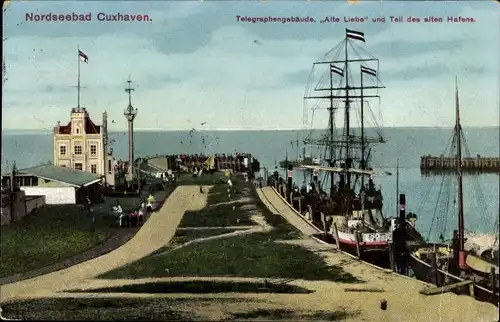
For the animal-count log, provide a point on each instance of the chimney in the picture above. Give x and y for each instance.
(57, 127)
(402, 209)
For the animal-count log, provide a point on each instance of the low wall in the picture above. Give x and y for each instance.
(32, 203)
(23, 205)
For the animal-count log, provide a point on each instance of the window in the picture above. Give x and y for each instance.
(78, 166)
(78, 149)
(93, 168)
(109, 166)
(62, 150)
(77, 131)
(93, 149)
(63, 166)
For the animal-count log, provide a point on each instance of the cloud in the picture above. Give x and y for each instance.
(194, 62)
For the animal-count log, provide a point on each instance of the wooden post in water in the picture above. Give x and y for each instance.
(323, 222)
(391, 257)
(493, 281)
(471, 289)
(434, 269)
(336, 236)
(291, 199)
(300, 205)
(309, 216)
(356, 240)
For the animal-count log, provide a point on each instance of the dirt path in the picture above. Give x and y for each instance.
(154, 234)
(275, 204)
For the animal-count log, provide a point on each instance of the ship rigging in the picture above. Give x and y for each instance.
(348, 147)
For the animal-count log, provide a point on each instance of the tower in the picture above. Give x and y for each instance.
(130, 113)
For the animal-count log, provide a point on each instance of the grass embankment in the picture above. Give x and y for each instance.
(160, 309)
(54, 233)
(201, 287)
(259, 254)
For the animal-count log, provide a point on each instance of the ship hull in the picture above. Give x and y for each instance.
(373, 253)
(373, 247)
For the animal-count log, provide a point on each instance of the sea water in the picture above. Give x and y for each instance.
(270, 147)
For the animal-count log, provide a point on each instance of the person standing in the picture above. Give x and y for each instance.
(90, 212)
(150, 201)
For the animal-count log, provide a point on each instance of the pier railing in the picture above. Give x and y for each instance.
(425, 272)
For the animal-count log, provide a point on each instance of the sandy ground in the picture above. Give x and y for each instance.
(154, 234)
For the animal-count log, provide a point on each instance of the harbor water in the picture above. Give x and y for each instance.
(270, 147)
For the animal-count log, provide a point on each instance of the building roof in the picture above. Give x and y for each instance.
(69, 176)
(90, 126)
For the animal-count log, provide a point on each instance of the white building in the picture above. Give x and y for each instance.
(82, 145)
(59, 185)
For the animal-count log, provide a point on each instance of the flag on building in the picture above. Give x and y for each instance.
(369, 71)
(338, 70)
(83, 57)
(358, 35)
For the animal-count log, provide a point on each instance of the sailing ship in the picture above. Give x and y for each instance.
(442, 263)
(352, 209)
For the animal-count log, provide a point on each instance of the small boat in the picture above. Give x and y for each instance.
(299, 162)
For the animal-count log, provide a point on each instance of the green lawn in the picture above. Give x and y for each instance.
(91, 309)
(54, 233)
(159, 309)
(220, 212)
(202, 287)
(252, 255)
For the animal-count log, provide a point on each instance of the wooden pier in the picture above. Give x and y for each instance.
(240, 162)
(477, 164)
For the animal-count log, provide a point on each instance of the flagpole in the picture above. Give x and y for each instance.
(78, 86)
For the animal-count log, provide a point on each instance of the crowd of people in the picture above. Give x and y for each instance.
(238, 161)
(132, 218)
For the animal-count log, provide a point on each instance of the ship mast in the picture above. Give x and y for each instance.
(331, 124)
(347, 141)
(458, 132)
(347, 116)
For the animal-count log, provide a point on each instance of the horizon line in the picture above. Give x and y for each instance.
(253, 130)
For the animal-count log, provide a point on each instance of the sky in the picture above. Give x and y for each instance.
(194, 62)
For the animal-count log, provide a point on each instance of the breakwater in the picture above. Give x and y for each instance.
(442, 163)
